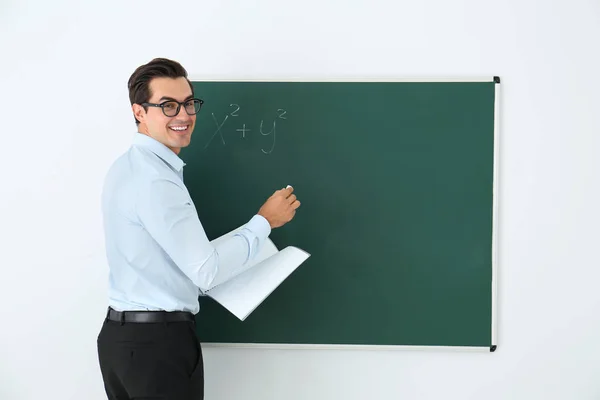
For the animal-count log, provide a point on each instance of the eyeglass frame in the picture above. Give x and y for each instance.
(179, 104)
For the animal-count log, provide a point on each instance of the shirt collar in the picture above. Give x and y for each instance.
(159, 149)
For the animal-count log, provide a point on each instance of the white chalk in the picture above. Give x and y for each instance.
(288, 186)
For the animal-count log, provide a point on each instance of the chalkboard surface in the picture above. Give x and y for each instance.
(396, 181)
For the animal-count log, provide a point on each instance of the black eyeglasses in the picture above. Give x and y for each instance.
(171, 107)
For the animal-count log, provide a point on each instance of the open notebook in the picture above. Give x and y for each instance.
(269, 268)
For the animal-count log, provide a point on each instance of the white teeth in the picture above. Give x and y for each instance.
(179, 128)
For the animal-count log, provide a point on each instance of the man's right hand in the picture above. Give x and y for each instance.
(280, 208)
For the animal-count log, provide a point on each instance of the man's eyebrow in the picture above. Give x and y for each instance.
(172, 99)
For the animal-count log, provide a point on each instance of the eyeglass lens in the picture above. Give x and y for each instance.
(171, 108)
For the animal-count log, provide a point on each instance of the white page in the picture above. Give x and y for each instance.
(267, 250)
(242, 294)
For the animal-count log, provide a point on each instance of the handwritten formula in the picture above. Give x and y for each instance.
(231, 121)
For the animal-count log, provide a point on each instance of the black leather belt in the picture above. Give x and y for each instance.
(149, 316)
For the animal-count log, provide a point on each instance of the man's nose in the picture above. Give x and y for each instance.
(182, 111)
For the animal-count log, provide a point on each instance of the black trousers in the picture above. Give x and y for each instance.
(144, 361)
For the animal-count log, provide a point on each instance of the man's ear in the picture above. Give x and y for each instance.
(139, 112)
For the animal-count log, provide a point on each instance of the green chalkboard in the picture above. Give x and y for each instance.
(396, 181)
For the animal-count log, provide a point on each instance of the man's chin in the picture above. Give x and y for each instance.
(181, 140)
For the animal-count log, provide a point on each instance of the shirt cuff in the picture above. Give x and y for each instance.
(260, 226)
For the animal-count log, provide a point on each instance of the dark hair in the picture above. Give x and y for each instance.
(139, 81)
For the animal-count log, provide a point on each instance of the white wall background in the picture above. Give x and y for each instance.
(65, 116)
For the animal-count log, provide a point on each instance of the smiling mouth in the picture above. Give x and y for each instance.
(179, 128)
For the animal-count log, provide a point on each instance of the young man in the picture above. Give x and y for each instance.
(159, 256)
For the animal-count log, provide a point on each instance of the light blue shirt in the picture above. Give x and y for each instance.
(158, 254)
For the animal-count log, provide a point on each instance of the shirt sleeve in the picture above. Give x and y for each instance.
(166, 211)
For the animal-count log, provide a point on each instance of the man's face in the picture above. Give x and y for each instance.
(174, 132)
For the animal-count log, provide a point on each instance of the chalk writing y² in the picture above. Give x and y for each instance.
(244, 130)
